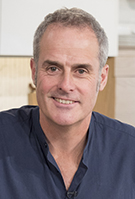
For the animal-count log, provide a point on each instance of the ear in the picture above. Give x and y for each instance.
(33, 70)
(104, 77)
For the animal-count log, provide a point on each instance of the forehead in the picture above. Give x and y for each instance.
(69, 41)
(69, 33)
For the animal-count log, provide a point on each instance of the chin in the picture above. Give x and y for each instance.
(64, 122)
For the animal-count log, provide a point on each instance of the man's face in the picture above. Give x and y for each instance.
(67, 76)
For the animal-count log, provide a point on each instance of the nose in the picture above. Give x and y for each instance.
(66, 83)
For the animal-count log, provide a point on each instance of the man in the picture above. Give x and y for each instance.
(62, 149)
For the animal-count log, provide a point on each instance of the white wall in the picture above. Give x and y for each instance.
(127, 12)
(19, 19)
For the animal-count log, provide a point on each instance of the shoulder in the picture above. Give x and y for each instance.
(16, 126)
(112, 125)
(16, 130)
(18, 115)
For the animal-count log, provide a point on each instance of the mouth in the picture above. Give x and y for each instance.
(63, 101)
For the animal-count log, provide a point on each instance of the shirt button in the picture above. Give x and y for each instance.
(71, 194)
(45, 145)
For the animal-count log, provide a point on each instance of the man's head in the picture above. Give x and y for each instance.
(69, 67)
(72, 18)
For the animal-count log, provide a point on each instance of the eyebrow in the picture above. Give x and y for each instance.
(78, 65)
(50, 62)
(88, 66)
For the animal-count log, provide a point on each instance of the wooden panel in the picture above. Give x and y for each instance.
(32, 100)
(15, 78)
(106, 99)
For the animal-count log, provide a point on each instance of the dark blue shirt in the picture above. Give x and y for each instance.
(28, 170)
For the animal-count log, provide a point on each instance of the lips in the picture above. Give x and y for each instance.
(63, 101)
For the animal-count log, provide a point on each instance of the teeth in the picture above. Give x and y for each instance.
(64, 101)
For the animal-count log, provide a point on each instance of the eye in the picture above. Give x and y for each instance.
(53, 68)
(81, 71)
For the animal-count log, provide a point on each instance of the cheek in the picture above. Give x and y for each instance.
(42, 85)
(45, 84)
(88, 86)
(89, 92)
(41, 92)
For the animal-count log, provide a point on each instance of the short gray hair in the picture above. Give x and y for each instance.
(73, 17)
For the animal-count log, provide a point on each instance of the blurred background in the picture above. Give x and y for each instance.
(18, 22)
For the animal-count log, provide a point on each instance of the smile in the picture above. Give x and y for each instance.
(64, 101)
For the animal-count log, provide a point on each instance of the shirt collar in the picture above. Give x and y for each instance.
(87, 150)
(38, 130)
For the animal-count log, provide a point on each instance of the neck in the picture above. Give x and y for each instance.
(65, 138)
